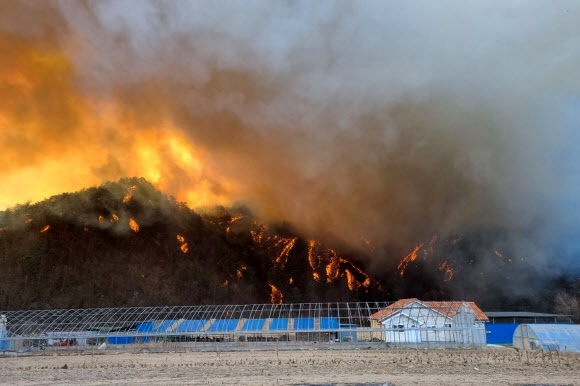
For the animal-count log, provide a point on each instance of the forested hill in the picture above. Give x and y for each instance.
(125, 243)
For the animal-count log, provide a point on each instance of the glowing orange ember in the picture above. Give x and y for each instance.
(46, 227)
(239, 272)
(225, 283)
(28, 221)
(290, 281)
(114, 217)
(134, 226)
(276, 296)
(101, 219)
(448, 274)
(315, 276)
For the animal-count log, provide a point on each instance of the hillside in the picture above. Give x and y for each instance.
(127, 244)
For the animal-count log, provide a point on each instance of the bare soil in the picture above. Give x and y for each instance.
(489, 366)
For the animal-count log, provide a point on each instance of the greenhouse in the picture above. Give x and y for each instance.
(410, 323)
(548, 337)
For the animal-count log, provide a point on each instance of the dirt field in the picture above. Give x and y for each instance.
(314, 367)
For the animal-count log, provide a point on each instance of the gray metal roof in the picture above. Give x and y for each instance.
(521, 314)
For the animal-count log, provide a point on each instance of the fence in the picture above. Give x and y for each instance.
(232, 327)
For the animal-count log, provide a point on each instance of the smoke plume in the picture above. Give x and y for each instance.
(377, 119)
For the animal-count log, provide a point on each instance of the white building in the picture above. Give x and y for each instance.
(412, 321)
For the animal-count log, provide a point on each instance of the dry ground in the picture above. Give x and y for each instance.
(319, 367)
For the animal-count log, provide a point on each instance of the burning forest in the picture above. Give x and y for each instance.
(332, 152)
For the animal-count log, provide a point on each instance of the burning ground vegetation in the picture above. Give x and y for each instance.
(125, 243)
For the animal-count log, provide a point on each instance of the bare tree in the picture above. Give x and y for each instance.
(568, 304)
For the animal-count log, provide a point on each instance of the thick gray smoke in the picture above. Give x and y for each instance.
(378, 119)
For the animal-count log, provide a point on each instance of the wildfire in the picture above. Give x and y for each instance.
(114, 217)
(290, 281)
(28, 221)
(239, 272)
(233, 220)
(46, 227)
(313, 258)
(225, 283)
(353, 284)
(101, 219)
(258, 234)
(183, 245)
(332, 268)
(448, 274)
(129, 193)
(408, 259)
(315, 276)
(134, 226)
(3, 228)
(276, 296)
(287, 244)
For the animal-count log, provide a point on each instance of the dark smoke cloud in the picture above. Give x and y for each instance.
(386, 120)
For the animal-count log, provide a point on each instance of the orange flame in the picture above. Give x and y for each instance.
(46, 227)
(313, 258)
(276, 296)
(3, 228)
(101, 219)
(332, 268)
(290, 281)
(134, 226)
(184, 248)
(28, 221)
(408, 259)
(225, 283)
(239, 272)
(258, 234)
(129, 193)
(114, 217)
(315, 276)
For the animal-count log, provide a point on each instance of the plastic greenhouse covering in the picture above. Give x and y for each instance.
(548, 337)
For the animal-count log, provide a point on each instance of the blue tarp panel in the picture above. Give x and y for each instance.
(304, 323)
(191, 325)
(254, 325)
(329, 323)
(500, 333)
(120, 339)
(279, 324)
(223, 325)
(145, 327)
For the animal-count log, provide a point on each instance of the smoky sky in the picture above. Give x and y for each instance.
(382, 119)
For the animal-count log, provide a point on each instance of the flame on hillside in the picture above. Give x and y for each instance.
(134, 226)
(276, 296)
(129, 193)
(184, 248)
(45, 228)
(412, 256)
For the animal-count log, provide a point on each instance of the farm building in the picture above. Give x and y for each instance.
(431, 323)
(502, 324)
(547, 337)
(254, 326)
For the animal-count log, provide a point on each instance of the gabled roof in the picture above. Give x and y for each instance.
(446, 308)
